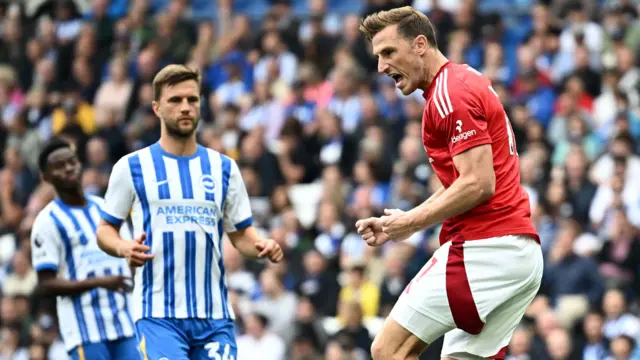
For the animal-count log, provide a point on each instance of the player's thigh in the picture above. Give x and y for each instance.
(421, 314)
(125, 349)
(97, 351)
(501, 295)
(212, 339)
(423, 307)
(492, 342)
(400, 340)
(161, 338)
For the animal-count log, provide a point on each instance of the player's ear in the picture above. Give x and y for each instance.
(420, 44)
(156, 107)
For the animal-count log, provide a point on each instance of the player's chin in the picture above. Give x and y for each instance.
(407, 88)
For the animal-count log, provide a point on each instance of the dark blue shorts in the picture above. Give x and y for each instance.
(194, 339)
(125, 349)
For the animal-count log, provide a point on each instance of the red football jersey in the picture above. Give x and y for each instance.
(463, 111)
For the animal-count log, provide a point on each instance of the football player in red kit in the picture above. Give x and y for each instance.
(476, 287)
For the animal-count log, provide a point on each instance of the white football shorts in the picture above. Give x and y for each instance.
(475, 293)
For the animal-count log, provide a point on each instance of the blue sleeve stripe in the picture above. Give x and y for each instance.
(110, 218)
(244, 223)
(47, 266)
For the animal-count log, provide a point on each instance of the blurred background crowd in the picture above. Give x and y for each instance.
(290, 91)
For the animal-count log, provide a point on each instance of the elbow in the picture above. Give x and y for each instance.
(100, 237)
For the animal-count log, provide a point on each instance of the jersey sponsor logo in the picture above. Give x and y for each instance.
(188, 214)
(462, 136)
(459, 126)
(207, 183)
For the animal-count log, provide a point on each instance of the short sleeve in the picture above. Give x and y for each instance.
(237, 208)
(465, 124)
(46, 249)
(120, 194)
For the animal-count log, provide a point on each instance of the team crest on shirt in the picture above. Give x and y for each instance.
(207, 184)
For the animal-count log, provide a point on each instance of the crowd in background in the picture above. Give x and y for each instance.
(290, 91)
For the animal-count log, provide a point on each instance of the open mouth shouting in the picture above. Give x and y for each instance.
(399, 79)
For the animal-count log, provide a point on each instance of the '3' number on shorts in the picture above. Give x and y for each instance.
(214, 348)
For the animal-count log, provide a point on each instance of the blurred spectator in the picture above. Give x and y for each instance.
(113, 94)
(620, 254)
(580, 286)
(10, 347)
(560, 346)
(359, 290)
(354, 328)
(394, 282)
(622, 348)
(277, 304)
(596, 346)
(240, 280)
(258, 342)
(617, 320)
(319, 284)
(23, 280)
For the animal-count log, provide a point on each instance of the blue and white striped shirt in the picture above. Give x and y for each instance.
(63, 240)
(183, 204)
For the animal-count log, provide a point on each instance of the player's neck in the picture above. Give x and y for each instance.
(433, 66)
(179, 147)
(73, 197)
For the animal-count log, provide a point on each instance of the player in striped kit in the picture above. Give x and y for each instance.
(90, 286)
(182, 198)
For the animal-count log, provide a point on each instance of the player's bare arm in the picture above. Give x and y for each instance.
(50, 284)
(109, 240)
(371, 229)
(475, 185)
(252, 246)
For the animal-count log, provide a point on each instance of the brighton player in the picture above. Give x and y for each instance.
(182, 198)
(475, 288)
(91, 287)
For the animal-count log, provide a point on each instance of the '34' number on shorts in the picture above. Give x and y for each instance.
(214, 351)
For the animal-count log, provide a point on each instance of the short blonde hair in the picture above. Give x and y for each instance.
(410, 21)
(171, 75)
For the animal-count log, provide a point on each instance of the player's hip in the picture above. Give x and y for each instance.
(482, 228)
(465, 281)
(190, 330)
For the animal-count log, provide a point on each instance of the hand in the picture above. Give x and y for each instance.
(135, 251)
(371, 231)
(116, 283)
(270, 249)
(396, 225)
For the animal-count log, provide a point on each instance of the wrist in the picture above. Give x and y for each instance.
(94, 283)
(120, 250)
(413, 220)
